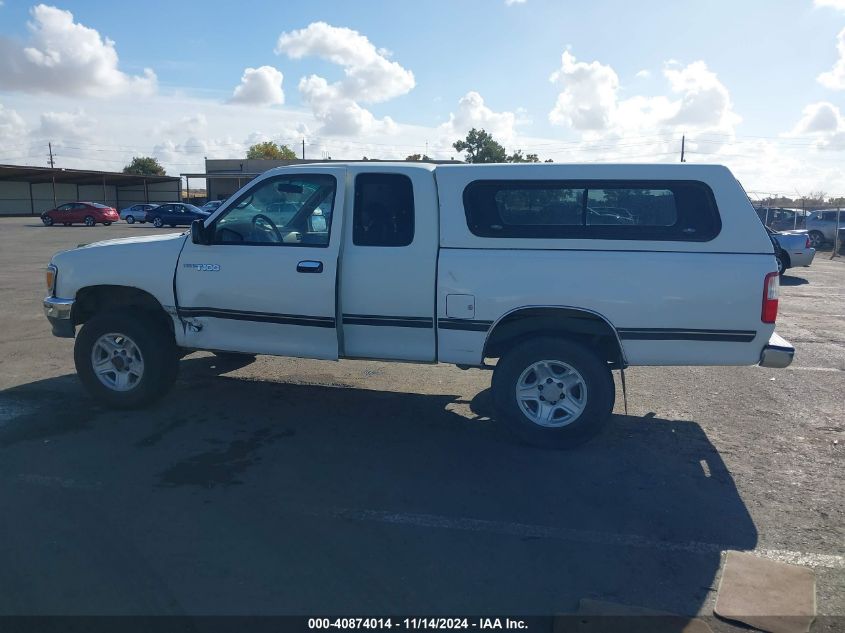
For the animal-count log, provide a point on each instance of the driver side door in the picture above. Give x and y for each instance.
(266, 282)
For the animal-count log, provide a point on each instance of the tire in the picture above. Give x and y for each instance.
(89, 220)
(782, 261)
(816, 238)
(592, 391)
(47, 220)
(130, 219)
(158, 223)
(156, 352)
(106, 223)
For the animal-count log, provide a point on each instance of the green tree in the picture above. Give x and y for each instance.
(418, 157)
(517, 157)
(481, 147)
(270, 151)
(144, 166)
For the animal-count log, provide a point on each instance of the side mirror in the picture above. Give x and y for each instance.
(199, 234)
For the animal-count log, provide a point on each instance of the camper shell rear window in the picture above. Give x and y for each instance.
(676, 210)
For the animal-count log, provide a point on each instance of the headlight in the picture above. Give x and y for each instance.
(50, 275)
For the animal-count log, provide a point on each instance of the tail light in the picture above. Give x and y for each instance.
(808, 243)
(771, 290)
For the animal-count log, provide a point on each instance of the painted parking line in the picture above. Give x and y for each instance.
(522, 530)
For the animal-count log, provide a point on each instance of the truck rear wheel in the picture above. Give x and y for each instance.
(125, 361)
(553, 392)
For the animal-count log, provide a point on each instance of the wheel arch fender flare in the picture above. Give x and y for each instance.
(553, 320)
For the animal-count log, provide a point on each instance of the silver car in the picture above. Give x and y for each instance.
(137, 212)
(792, 248)
(821, 225)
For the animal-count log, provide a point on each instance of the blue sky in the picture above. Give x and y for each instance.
(639, 75)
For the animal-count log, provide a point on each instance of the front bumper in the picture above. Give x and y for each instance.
(778, 353)
(58, 312)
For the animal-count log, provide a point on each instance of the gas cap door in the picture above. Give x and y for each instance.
(460, 306)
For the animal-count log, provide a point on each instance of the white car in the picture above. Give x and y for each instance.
(449, 263)
(136, 213)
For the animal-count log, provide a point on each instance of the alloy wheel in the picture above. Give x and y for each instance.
(551, 393)
(117, 362)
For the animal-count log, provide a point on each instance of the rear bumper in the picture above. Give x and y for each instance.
(778, 353)
(802, 258)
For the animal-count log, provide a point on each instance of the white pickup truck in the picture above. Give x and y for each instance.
(560, 272)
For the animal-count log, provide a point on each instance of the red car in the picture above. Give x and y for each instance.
(88, 213)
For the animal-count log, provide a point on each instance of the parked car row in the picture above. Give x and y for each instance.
(93, 213)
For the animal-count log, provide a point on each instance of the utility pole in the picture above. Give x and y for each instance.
(50, 147)
(683, 142)
(303, 149)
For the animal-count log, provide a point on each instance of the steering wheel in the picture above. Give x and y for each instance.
(270, 223)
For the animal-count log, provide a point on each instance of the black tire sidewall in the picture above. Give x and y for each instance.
(155, 344)
(601, 392)
(89, 217)
(158, 223)
(48, 221)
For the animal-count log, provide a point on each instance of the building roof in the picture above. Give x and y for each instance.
(36, 175)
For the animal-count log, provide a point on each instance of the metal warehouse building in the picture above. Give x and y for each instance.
(224, 176)
(31, 190)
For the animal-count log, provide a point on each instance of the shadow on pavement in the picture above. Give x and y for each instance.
(789, 280)
(238, 496)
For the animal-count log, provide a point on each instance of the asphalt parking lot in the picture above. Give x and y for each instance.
(291, 486)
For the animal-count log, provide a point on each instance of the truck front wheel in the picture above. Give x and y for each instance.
(553, 392)
(125, 361)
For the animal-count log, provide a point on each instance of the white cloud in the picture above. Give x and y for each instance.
(473, 113)
(643, 74)
(589, 97)
(819, 118)
(65, 57)
(260, 86)
(823, 122)
(705, 101)
(590, 103)
(12, 126)
(369, 77)
(510, 3)
(65, 125)
(835, 78)
(839, 5)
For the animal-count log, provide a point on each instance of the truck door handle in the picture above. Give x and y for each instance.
(309, 266)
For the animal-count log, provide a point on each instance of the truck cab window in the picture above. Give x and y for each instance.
(384, 210)
(289, 210)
